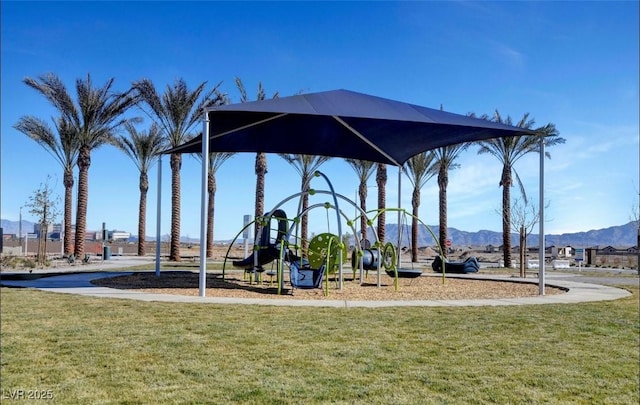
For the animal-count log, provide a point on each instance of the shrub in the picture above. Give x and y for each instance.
(29, 263)
(8, 261)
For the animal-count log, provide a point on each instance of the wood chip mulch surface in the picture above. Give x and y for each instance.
(236, 285)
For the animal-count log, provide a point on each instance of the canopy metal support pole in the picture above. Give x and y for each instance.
(541, 241)
(158, 217)
(203, 205)
(399, 215)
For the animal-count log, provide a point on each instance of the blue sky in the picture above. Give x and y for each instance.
(574, 64)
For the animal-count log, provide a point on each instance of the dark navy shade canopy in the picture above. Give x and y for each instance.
(340, 123)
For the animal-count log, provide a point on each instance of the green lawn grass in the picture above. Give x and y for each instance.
(91, 351)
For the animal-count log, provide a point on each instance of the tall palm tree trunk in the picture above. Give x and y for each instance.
(415, 204)
(84, 161)
(142, 215)
(261, 171)
(176, 164)
(381, 181)
(211, 188)
(363, 205)
(68, 204)
(443, 182)
(506, 215)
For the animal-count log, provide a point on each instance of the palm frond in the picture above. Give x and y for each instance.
(179, 109)
(363, 168)
(141, 146)
(216, 159)
(54, 90)
(420, 168)
(241, 89)
(63, 147)
(521, 187)
(305, 165)
(149, 101)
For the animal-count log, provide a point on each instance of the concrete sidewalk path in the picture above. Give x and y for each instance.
(80, 283)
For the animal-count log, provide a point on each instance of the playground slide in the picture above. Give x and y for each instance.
(265, 256)
(269, 251)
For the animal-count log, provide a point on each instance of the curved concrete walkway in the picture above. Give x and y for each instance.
(80, 283)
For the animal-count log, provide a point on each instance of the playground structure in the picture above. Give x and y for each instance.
(266, 252)
(327, 252)
(469, 265)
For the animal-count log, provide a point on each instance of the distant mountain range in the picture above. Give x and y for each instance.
(617, 236)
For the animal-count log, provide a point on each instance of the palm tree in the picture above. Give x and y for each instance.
(364, 170)
(419, 168)
(64, 148)
(261, 157)
(93, 122)
(177, 113)
(381, 181)
(142, 147)
(508, 151)
(306, 166)
(445, 157)
(216, 159)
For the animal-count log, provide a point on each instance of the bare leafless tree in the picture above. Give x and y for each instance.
(524, 217)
